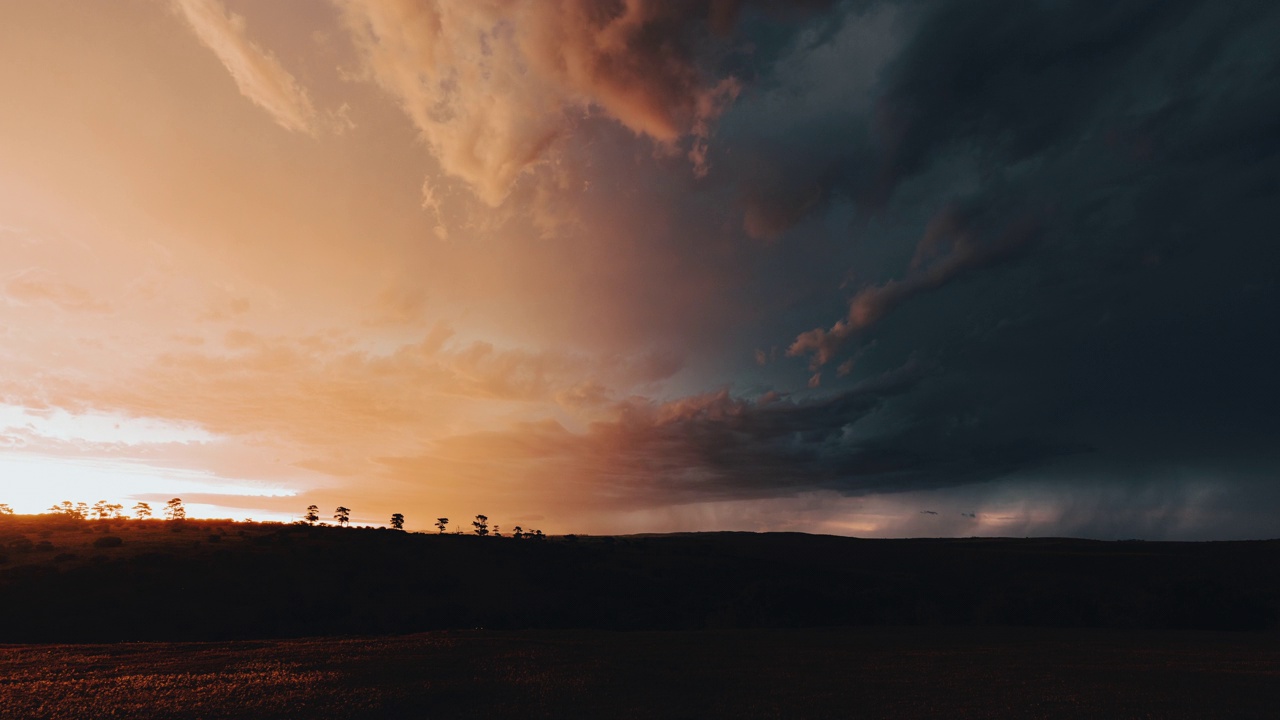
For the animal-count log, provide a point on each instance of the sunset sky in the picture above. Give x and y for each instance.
(899, 268)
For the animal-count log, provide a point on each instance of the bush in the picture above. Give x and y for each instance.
(108, 541)
(65, 557)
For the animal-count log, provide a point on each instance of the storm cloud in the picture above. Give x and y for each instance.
(644, 265)
(1096, 266)
(1060, 216)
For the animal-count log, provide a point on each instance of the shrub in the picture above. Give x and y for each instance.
(108, 541)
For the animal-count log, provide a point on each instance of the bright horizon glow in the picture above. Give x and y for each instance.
(34, 483)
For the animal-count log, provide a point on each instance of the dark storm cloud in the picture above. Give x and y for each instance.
(719, 446)
(953, 244)
(1044, 230)
(1065, 211)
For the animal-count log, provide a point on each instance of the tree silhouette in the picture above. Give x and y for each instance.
(69, 509)
(313, 514)
(142, 510)
(397, 521)
(173, 510)
(518, 533)
(5, 509)
(497, 531)
(103, 510)
(442, 524)
(481, 525)
(342, 515)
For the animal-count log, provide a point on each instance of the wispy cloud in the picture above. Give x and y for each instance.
(38, 286)
(257, 72)
(954, 244)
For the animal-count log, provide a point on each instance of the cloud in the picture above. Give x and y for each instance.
(39, 286)
(337, 405)
(954, 244)
(1059, 218)
(717, 447)
(226, 307)
(493, 86)
(257, 73)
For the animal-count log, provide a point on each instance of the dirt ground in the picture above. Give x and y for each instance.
(820, 673)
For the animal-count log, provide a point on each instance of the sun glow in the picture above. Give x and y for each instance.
(32, 483)
(48, 456)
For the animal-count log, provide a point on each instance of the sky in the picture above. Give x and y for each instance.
(877, 268)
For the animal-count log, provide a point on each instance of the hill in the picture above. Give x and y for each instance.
(65, 580)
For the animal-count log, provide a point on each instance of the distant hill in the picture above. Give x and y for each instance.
(72, 581)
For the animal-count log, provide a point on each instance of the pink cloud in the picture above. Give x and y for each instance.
(493, 86)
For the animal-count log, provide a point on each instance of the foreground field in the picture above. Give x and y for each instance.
(843, 673)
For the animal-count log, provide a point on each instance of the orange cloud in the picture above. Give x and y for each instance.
(38, 286)
(257, 73)
(492, 86)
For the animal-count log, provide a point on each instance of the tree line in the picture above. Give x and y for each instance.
(480, 526)
(103, 510)
(174, 511)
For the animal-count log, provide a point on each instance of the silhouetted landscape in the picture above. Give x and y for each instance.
(102, 581)
(682, 295)
(754, 625)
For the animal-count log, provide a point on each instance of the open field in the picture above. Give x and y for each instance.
(301, 622)
(94, 581)
(814, 673)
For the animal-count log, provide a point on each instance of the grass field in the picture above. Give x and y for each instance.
(95, 581)
(300, 622)
(817, 673)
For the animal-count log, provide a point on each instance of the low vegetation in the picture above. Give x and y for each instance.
(828, 673)
(65, 579)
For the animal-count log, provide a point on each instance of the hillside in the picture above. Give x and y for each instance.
(63, 580)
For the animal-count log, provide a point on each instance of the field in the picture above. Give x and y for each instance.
(816, 673)
(211, 619)
(94, 581)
